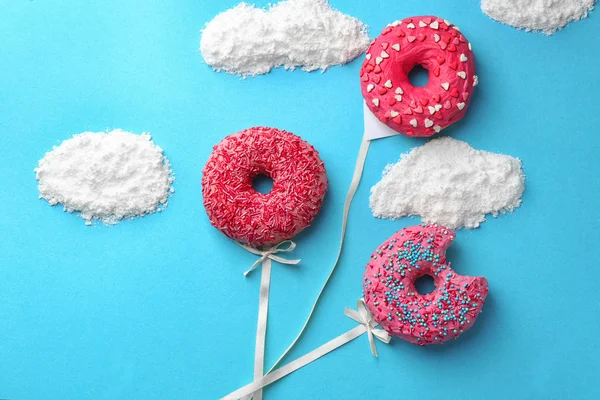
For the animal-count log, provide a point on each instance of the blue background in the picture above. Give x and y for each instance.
(157, 308)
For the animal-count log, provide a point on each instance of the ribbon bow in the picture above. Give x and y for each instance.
(363, 316)
(270, 254)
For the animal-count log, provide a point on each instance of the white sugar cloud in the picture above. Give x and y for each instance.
(547, 16)
(448, 182)
(310, 34)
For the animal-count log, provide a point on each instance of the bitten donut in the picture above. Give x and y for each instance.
(390, 293)
(443, 51)
(253, 218)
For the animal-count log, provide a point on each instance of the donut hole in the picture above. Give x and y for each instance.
(262, 183)
(418, 76)
(425, 284)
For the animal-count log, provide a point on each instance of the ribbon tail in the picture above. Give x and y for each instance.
(372, 343)
(261, 329)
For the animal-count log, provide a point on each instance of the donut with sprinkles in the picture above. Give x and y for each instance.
(440, 48)
(390, 294)
(256, 219)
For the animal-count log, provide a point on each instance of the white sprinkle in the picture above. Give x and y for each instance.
(410, 26)
(388, 84)
(436, 37)
(446, 86)
(438, 107)
(368, 56)
(376, 102)
(414, 122)
(457, 28)
(428, 123)
(396, 47)
(462, 74)
(460, 106)
(475, 80)
(463, 58)
(470, 48)
(398, 97)
(447, 22)
(396, 23)
(370, 87)
(394, 114)
(399, 90)
(434, 25)
(422, 24)
(431, 110)
(437, 128)
(384, 55)
(378, 60)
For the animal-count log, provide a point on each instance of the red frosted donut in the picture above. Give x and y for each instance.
(390, 294)
(256, 219)
(440, 48)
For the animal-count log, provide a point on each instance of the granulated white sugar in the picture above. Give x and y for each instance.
(310, 34)
(448, 182)
(538, 15)
(106, 176)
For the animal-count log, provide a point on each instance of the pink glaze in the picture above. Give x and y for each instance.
(441, 49)
(256, 219)
(390, 294)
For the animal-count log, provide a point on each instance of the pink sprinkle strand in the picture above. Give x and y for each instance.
(390, 294)
(256, 219)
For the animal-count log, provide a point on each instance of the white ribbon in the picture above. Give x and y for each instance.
(263, 301)
(366, 324)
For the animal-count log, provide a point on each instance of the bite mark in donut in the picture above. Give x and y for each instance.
(253, 218)
(390, 293)
(439, 47)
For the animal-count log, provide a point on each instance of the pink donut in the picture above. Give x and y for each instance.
(390, 294)
(440, 48)
(256, 219)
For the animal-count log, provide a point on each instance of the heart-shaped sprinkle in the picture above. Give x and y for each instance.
(462, 74)
(436, 98)
(376, 102)
(438, 107)
(451, 47)
(447, 22)
(443, 45)
(454, 92)
(398, 97)
(422, 37)
(399, 90)
(392, 101)
(431, 110)
(446, 85)
(384, 55)
(475, 80)
(434, 25)
(441, 60)
(448, 105)
(422, 24)
(378, 60)
(396, 47)
(369, 68)
(424, 101)
(370, 87)
(437, 128)
(463, 58)
(382, 90)
(377, 69)
(388, 84)
(460, 106)
(436, 38)
(411, 39)
(400, 33)
(470, 48)
(414, 122)
(465, 96)
(365, 78)
(436, 71)
(368, 56)
(418, 110)
(398, 120)
(427, 20)
(428, 123)
(456, 42)
(394, 114)
(407, 111)
(376, 78)
(385, 45)
(410, 26)
(453, 65)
